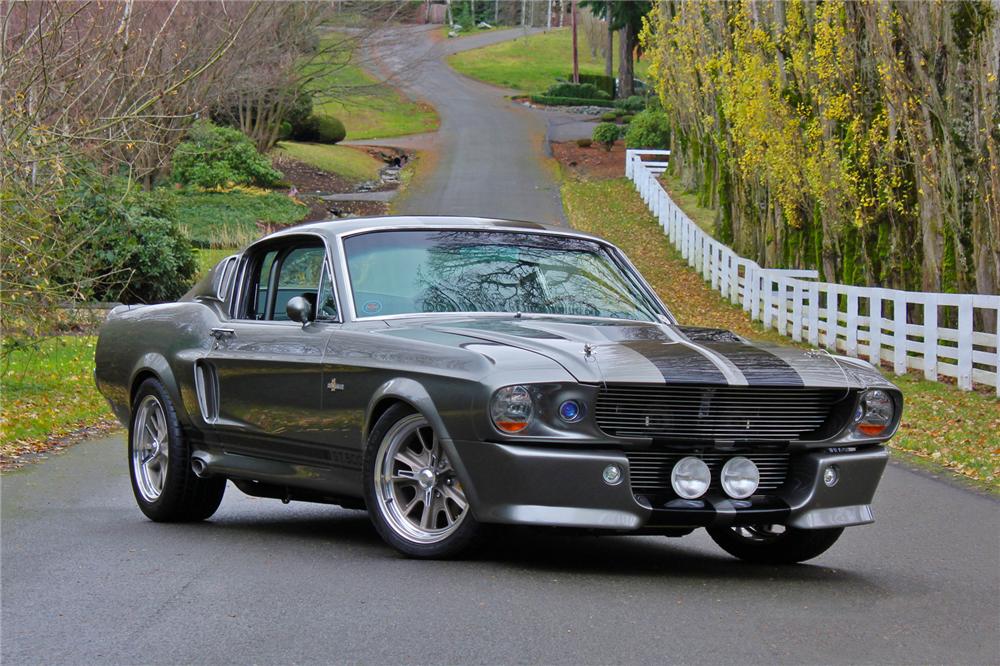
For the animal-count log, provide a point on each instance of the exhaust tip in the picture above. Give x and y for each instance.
(198, 466)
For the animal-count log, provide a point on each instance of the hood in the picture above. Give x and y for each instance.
(638, 352)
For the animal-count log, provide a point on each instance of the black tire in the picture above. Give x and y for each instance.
(789, 547)
(183, 496)
(465, 537)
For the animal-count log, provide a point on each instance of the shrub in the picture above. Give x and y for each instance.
(606, 134)
(285, 132)
(579, 90)
(299, 111)
(627, 117)
(600, 81)
(634, 103)
(216, 156)
(329, 130)
(133, 250)
(609, 117)
(649, 129)
(584, 143)
(548, 100)
(320, 129)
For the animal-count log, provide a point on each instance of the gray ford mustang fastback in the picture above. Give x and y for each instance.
(453, 373)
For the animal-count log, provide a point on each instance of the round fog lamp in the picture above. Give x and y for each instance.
(690, 478)
(570, 411)
(612, 475)
(831, 475)
(740, 477)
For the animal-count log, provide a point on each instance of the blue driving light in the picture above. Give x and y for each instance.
(570, 411)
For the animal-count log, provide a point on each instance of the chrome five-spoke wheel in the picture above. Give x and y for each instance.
(151, 449)
(417, 490)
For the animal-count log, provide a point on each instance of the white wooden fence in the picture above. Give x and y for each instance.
(858, 321)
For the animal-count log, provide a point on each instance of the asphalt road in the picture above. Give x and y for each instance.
(489, 156)
(86, 579)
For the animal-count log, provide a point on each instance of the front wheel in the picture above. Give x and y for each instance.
(165, 487)
(774, 544)
(414, 497)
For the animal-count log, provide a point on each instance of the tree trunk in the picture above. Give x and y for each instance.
(609, 52)
(576, 53)
(625, 72)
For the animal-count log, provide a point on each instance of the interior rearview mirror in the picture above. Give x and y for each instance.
(299, 309)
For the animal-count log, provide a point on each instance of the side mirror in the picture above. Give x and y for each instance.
(299, 309)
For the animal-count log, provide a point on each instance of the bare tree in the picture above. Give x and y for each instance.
(90, 88)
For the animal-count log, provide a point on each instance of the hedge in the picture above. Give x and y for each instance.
(548, 100)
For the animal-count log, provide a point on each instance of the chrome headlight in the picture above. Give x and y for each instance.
(875, 413)
(512, 408)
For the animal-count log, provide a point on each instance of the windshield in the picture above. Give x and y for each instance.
(405, 272)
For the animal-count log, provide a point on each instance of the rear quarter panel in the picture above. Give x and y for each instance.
(164, 340)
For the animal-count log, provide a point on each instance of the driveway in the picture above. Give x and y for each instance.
(86, 579)
(489, 157)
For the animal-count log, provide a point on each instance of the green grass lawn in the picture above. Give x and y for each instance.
(531, 64)
(49, 391)
(941, 425)
(229, 218)
(368, 108)
(351, 163)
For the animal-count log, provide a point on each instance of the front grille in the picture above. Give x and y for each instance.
(725, 413)
(649, 471)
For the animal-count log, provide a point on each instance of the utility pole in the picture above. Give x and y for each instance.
(576, 57)
(548, 17)
(496, 12)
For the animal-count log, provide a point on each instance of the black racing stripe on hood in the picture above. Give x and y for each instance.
(759, 366)
(678, 363)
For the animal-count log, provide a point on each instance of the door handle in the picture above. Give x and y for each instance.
(222, 333)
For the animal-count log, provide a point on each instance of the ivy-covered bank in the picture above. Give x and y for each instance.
(861, 139)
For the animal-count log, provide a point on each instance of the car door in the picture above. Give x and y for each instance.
(269, 369)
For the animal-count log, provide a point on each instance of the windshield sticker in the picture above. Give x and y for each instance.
(373, 307)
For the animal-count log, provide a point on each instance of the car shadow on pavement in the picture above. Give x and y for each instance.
(637, 556)
(541, 550)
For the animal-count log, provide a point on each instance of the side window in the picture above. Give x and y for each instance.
(298, 275)
(279, 275)
(259, 287)
(327, 310)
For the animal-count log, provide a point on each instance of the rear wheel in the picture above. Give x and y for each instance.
(165, 487)
(414, 497)
(774, 544)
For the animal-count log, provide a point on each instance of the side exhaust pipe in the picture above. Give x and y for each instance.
(199, 467)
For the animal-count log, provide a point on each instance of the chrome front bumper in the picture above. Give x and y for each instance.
(528, 485)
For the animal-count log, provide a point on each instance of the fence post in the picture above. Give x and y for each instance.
(814, 314)
(875, 328)
(852, 321)
(797, 310)
(706, 267)
(899, 335)
(629, 154)
(766, 286)
(782, 303)
(930, 336)
(832, 316)
(965, 344)
(734, 280)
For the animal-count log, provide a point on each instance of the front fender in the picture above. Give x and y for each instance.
(415, 394)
